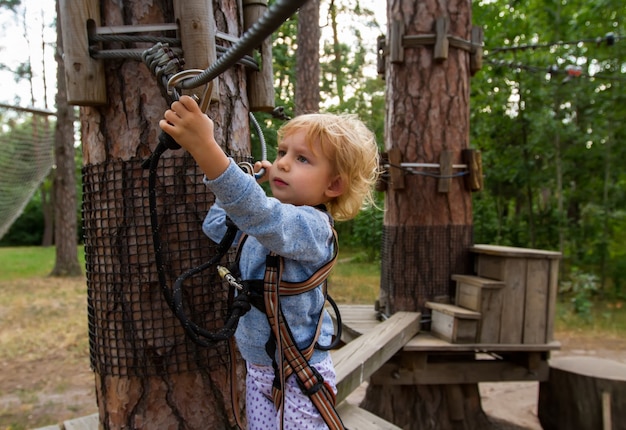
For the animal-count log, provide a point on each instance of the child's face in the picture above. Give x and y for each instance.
(300, 176)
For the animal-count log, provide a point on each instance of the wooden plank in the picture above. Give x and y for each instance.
(356, 361)
(84, 75)
(426, 342)
(510, 251)
(552, 296)
(478, 281)
(355, 320)
(89, 422)
(535, 314)
(454, 311)
(359, 419)
(459, 372)
(452, 328)
(513, 272)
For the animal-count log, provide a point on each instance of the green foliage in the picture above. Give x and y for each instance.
(549, 138)
(27, 230)
(364, 232)
(581, 288)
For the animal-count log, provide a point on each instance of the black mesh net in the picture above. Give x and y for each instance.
(418, 261)
(132, 330)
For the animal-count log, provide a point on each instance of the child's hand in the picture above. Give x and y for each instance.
(193, 130)
(188, 125)
(266, 173)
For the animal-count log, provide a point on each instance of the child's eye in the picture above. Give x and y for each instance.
(303, 159)
(280, 153)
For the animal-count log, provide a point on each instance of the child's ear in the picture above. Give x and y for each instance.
(335, 188)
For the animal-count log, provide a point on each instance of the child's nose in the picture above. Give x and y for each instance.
(282, 163)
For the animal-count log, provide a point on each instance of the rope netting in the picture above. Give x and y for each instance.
(26, 157)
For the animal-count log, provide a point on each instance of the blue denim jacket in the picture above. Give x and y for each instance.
(302, 235)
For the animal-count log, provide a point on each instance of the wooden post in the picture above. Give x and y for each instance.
(260, 83)
(84, 76)
(197, 33)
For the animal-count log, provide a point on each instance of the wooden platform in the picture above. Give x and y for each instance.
(426, 359)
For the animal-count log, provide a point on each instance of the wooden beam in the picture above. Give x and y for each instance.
(460, 372)
(84, 75)
(197, 28)
(355, 362)
(356, 418)
(425, 342)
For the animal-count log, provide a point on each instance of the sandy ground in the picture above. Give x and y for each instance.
(50, 388)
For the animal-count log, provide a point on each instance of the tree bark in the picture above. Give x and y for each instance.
(426, 233)
(583, 393)
(149, 374)
(308, 59)
(64, 188)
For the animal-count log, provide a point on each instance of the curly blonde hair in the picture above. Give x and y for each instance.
(351, 147)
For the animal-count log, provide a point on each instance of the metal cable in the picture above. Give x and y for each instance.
(137, 54)
(271, 20)
(135, 38)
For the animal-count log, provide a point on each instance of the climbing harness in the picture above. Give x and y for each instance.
(167, 68)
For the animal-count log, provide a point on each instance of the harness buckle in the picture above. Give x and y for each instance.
(316, 387)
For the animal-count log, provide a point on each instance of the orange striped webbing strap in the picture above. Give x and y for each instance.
(290, 359)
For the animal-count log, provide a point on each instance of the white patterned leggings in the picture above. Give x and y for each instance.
(300, 413)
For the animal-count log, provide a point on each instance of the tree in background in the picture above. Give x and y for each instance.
(427, 229)
(64, 188)
(307, 96)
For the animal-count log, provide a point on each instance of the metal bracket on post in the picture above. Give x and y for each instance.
(440, 40)
(395, 170)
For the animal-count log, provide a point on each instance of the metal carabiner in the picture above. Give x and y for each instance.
(203, 101)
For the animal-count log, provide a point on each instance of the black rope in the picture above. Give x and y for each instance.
(174, 297)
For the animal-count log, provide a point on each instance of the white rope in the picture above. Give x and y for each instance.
(26, 157)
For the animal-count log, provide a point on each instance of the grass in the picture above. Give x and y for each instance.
(44, 346)
(29, 261)
(354, 280)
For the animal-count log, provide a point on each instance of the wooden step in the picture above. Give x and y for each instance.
(478, 281)
(356, 418)
(356, 361)
(484, 295)
(453, 323)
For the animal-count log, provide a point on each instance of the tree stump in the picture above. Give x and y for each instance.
(583, 393)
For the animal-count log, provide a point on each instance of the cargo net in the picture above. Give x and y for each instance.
(27, 142)
(132, 331)
(418, 262)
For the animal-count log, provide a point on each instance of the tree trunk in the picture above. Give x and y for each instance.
(427, 228)
(47, 207)
(64, 188)
(149, 374)
(308, 59)
(583, 393)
